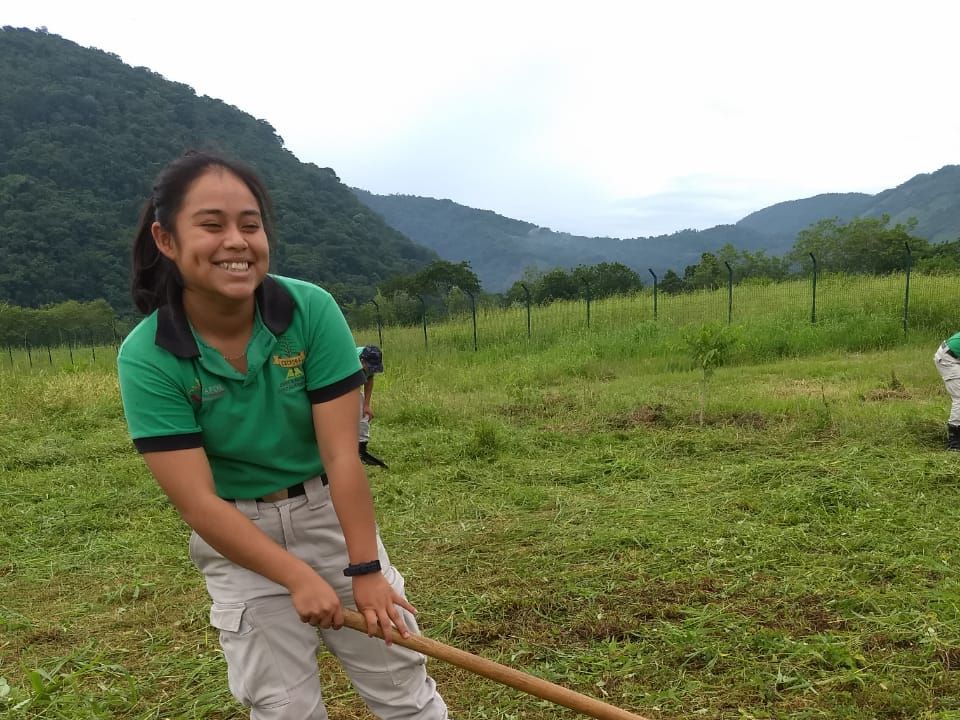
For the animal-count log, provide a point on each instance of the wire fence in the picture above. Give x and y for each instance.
(902, 303)
(894, 305)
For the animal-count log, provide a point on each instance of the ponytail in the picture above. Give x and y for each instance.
(155, 277)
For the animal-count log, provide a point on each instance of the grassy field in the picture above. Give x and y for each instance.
(556, 505)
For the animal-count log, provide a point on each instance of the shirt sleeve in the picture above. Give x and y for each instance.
(954, 343)
(332, 366)
(158, 408)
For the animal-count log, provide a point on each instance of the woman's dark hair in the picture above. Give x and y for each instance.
(155, 277)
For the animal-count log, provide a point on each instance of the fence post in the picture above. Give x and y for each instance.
(586, 286)
(423, 315)
(10, 353)
(379, 324)
(473, 311)
(49, 355)
(649, 270)
(26, 342)
(906, 291)
(729, 293)
(93, 349)
(813, 307)
(526, 292)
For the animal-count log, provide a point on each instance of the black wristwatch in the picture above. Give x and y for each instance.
(362, 568)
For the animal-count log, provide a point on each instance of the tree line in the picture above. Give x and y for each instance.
(862, 246)
(442, 288)
(66, 323)
(869, 246)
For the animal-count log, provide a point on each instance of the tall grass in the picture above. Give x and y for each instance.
(779, 310)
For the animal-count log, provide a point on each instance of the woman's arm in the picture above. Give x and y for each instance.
(335, 423)
(185, 476)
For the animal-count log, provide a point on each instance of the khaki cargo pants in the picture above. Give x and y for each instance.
(949, 369)
(272, 656)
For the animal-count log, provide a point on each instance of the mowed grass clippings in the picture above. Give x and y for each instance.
(559, 509)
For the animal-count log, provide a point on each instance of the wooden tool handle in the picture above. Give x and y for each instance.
(501, 673)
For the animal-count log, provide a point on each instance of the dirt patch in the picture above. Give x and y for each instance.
(805, 615)
(48, 636)
(641, 416)
(949, 658)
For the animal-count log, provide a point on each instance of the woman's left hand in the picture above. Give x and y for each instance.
(377, 601)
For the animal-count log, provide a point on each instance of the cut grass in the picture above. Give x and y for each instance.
(557, 508)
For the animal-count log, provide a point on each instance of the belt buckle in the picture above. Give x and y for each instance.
(275, 496)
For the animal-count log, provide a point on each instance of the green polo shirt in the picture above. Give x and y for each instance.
(256, 428)
(953, 342)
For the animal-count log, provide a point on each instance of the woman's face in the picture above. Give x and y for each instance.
(218, 242)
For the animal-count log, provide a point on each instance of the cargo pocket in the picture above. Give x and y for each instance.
(252, 671)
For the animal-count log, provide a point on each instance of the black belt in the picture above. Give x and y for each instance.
(292, 491)
(948, 351)
(295, 490)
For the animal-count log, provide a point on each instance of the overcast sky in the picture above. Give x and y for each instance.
(597, 118)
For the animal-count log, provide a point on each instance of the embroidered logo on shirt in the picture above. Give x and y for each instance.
(200, 394)
(293, 364)
(213, 392)
(290, 362)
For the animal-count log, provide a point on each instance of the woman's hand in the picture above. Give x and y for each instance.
(377, 601)
(316, 602)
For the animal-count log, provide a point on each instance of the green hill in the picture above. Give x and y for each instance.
(932, 198)
(499, 248)
(82, 136)
(786, 219)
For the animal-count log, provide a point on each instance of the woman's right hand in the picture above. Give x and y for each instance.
(316, 602)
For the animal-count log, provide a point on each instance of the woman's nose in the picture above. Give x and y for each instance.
(235, 238)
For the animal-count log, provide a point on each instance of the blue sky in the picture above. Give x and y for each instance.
(623, 119)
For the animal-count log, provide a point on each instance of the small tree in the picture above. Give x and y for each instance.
(710, 346)
(671, 283)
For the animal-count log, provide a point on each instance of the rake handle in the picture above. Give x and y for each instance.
(501, 673)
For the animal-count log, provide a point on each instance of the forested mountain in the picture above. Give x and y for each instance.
(932, 198)
(82, 136)
(499, 248)
(786, 219)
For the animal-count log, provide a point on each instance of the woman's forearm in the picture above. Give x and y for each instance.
(353, 504)
(234, 536)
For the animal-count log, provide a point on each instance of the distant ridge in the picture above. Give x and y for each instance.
(500, 248)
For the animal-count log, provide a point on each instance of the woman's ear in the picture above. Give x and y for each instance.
(163, 240)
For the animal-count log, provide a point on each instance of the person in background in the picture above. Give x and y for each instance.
(241, 392)
(947, 360)
(372, 361)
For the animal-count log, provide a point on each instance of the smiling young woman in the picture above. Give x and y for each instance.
(219, 246)
(241, 390)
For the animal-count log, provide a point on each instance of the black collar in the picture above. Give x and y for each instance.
(173, 329)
